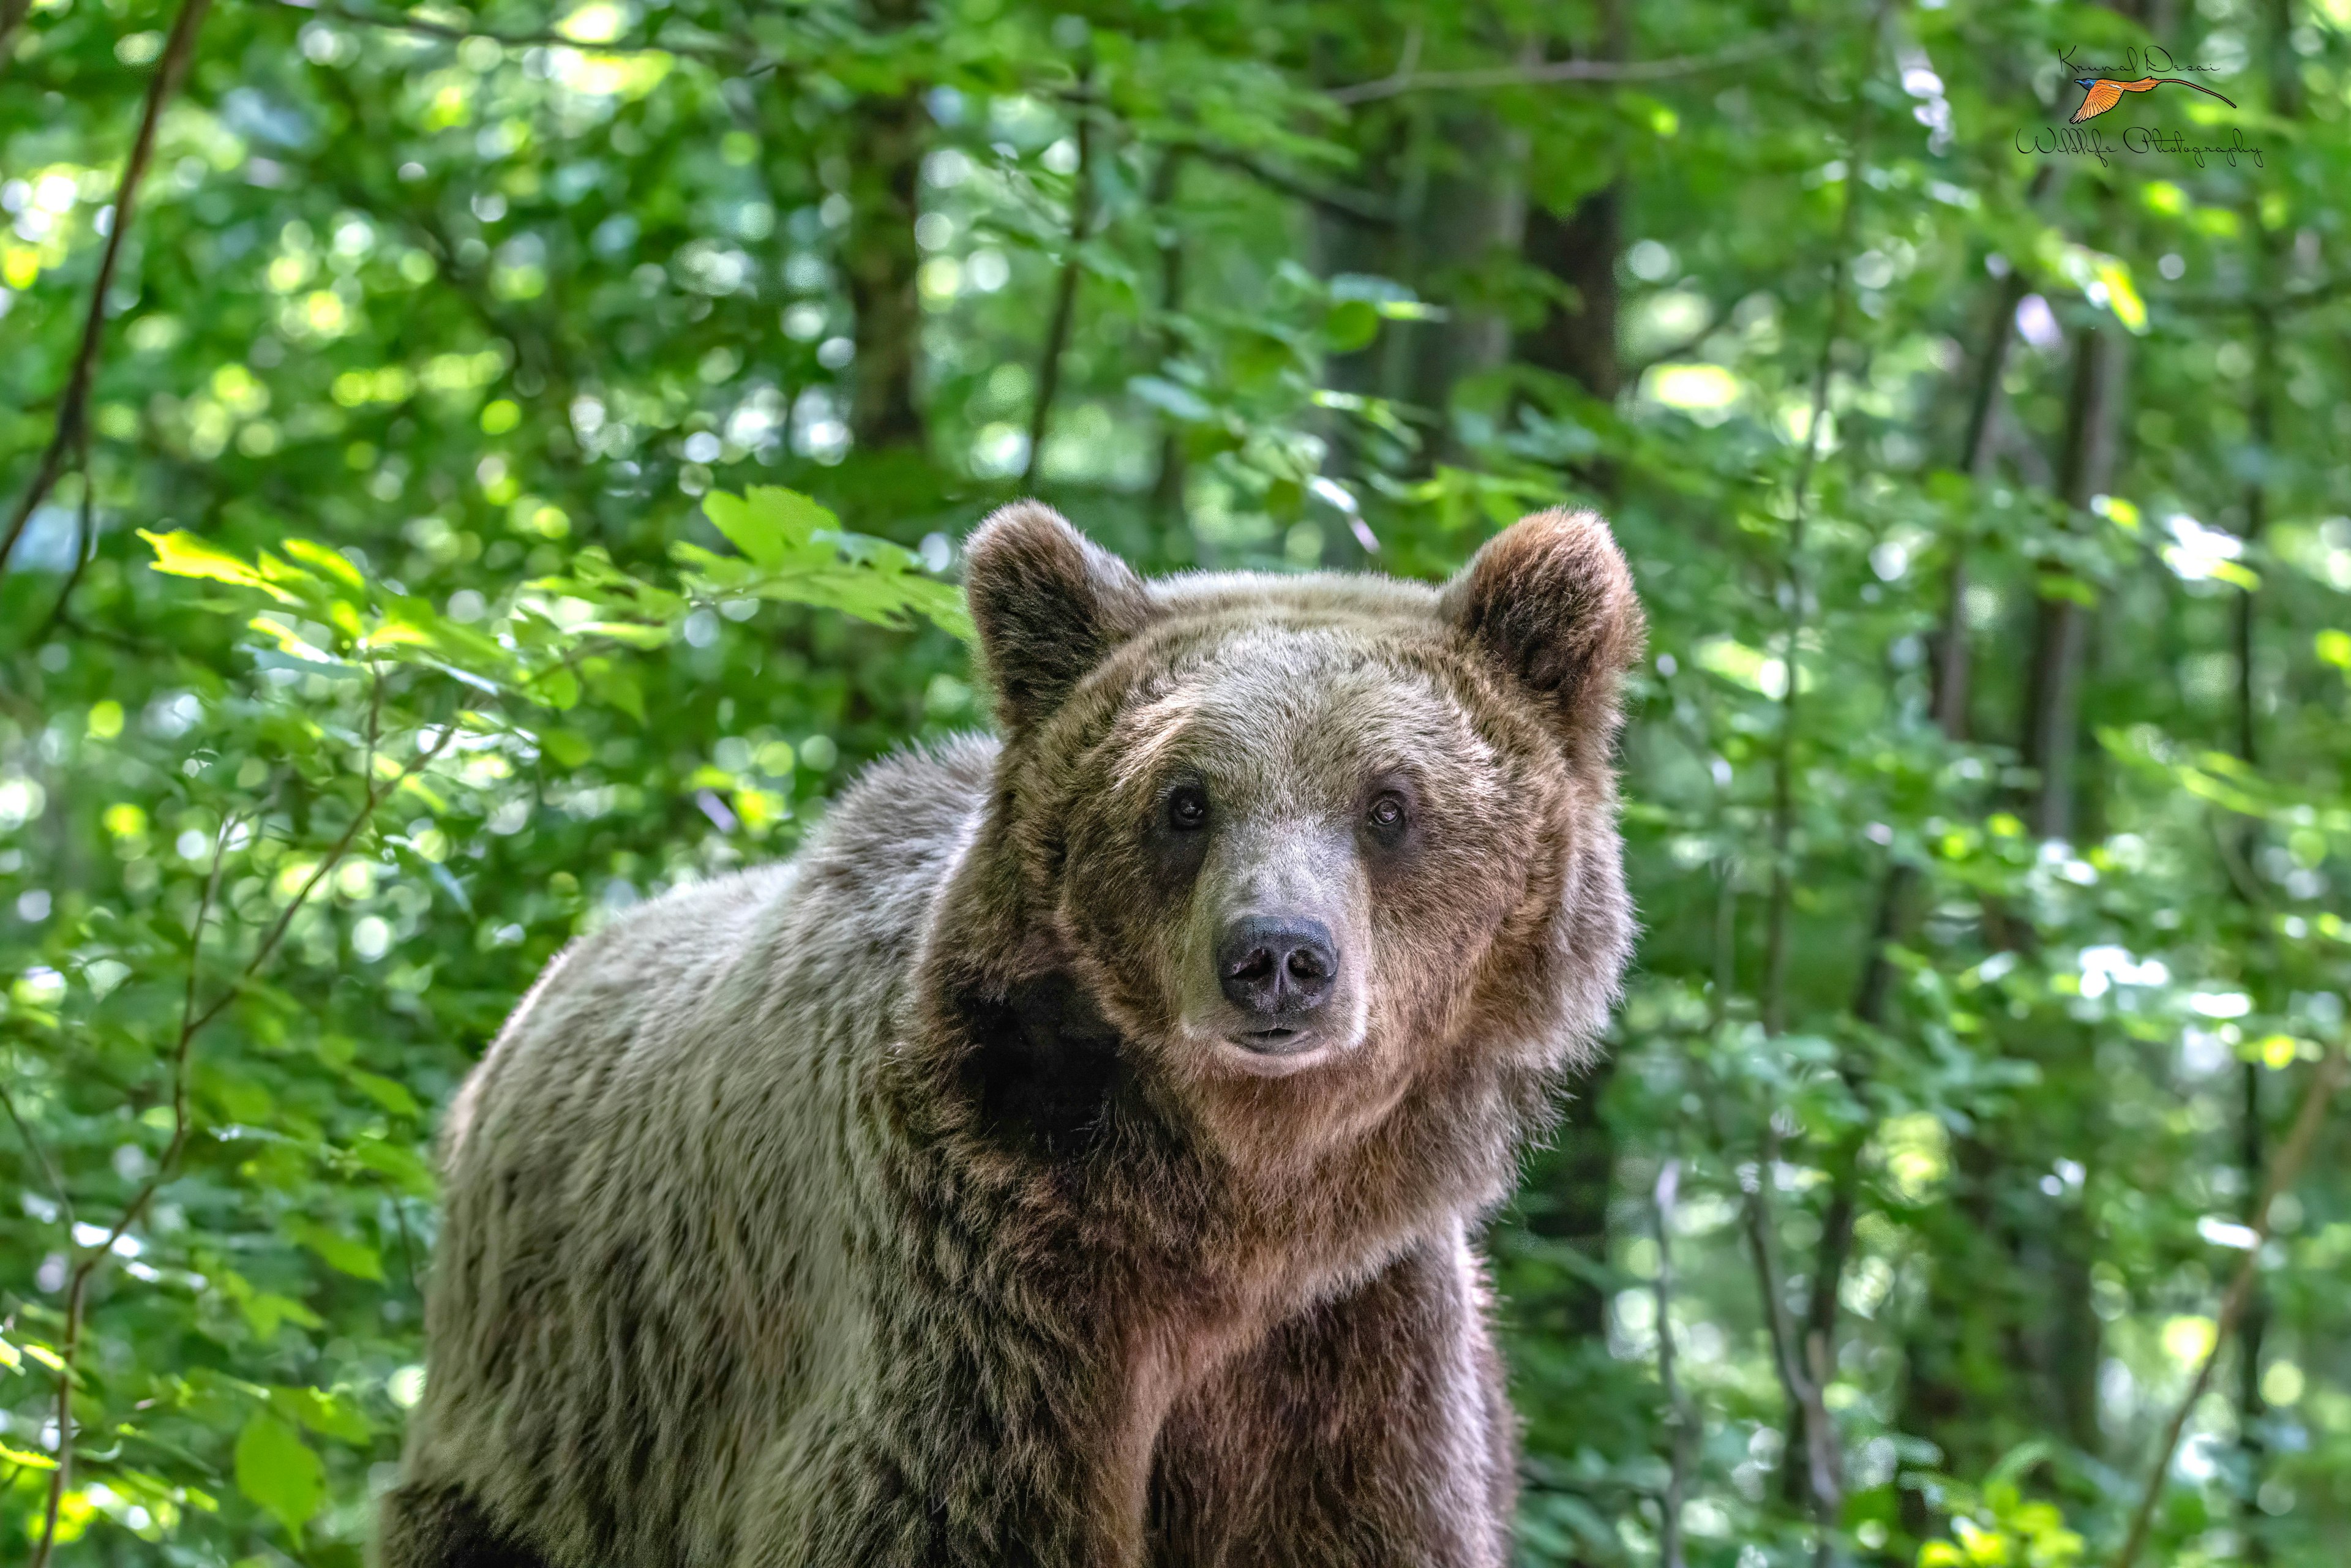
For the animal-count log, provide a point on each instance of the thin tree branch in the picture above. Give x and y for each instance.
(84, 545)
(1874, 994)
(1679, 1418)
(1796, 1379)
(1351, 205)
(73, 407)
(2282, 1173)
(1065, 295)
(1672, 351)
(12, 16)
(376, 795)
(192, 1023)
(1547, 73)
(78, 1292)
(547, 37)
(2310, 295)
(40, 1157)
(407, 1246)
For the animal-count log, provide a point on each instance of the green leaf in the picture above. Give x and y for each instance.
(388, 1093)
(559, 688)
(328, 562)
(615, 685)
(181, 554)
(568, 746)
(341, 1253)
(329, 1415)
(630, 632)
(1351, 325)
(265, 1309)
(767, 521)
(403, 1165)
(277, 1471)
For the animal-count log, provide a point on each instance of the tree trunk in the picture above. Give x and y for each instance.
(1471, 206)
(2008, 1340)
(1456, 181)
(1167, 486)
(2062, 621)
(1579, 1195)
(1577, 337)
(2260, 419)
(887, 137)
(2063, 1340)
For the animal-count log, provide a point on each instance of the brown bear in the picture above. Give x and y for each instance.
(1069, 1159)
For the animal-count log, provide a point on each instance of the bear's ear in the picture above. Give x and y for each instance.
(1549, 600)
(1050, 606)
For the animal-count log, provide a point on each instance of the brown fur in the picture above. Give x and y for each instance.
(916, 1202)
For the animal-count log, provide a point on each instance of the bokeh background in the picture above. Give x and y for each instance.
(375, 620)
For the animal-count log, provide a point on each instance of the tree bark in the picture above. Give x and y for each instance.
(1456, 178)
(886, 138)
(1471, 206)
(1578, 336)
(2059, 1338)
(1578, 1211)
(1168, 487)
(2062, 621)
(12, 16)
(2261, 418)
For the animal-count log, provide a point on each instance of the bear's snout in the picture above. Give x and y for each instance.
(1279, 969)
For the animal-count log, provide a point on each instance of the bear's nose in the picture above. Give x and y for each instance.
(1277, 965)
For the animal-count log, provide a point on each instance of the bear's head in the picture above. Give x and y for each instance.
(1268, 857)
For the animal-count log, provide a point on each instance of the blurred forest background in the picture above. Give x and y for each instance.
(462, 471)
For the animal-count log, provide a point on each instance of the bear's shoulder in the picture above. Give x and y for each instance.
(902, 816)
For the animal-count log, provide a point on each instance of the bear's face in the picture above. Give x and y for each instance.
(1283, 846)
(1315, 833)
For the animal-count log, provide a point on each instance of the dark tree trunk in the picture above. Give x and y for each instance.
(1578, 1196)
(1167, 486)
(2008, 1340)
(1467, 205)
(1577, 336)
(2062, 621)
(1455, 182)
(2284, 72)
(2065, 1343)
(885, 144)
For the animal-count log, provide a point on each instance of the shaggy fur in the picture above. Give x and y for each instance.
(923, 1201)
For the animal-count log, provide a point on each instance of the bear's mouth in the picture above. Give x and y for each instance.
(1281, 1039)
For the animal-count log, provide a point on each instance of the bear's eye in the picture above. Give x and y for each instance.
(1188, 809)
(1387, 814)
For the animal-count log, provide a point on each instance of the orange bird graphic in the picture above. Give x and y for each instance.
(2104, 93)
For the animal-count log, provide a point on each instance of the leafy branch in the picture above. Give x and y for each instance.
(73, 405)
(2283, 1175)
(193, 1020)
(1552, 73)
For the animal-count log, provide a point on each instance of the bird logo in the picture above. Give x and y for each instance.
(2104, 92)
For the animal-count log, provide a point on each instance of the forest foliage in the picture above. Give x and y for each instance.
(467, 469)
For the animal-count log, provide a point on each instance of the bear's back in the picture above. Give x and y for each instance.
(654, 1178)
